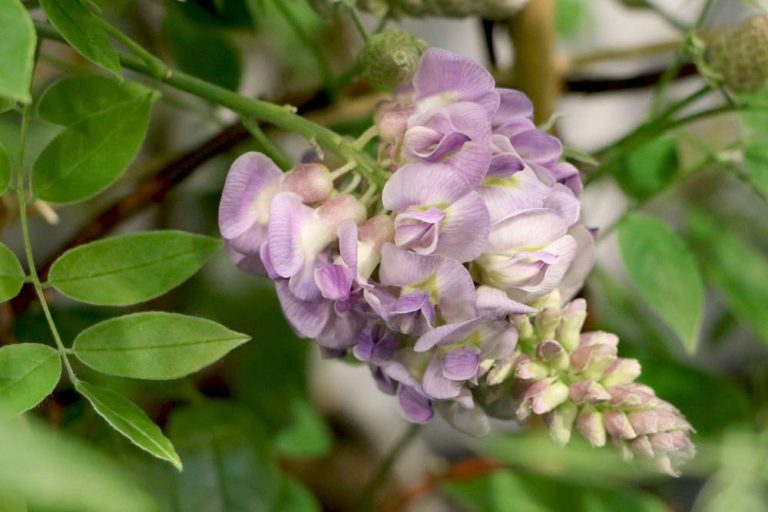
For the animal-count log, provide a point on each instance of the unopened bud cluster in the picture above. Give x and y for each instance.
(447, 282)
(577, 382)
(740, 55)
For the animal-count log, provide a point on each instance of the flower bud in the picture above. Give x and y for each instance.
(341, 208)
(551, 397)
(621, 371)
(618, 426)
(391, 120)
(553, 354)
(560, 423)
(390, 59)
(740, 55)
(570, 326)
(590, 425)
(546, 323)
(313, 182)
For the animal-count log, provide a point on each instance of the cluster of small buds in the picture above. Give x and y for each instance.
(432, 280)
(576, 380)
(740, 55)
(492, 9)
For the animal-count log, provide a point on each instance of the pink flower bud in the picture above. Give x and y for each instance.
(312, 182)
(392, 120)
(551, 397)
(553, 354)
(560, 422)
(588, 391)
(617, 425)
(621, 371)
(528, 369)
(546, 323)
(341, 208)
(570, 326)
(590, 425)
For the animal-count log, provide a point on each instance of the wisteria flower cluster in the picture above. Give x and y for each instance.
(449, 284)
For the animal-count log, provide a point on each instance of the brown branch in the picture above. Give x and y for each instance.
(151, 190)
(460, 471)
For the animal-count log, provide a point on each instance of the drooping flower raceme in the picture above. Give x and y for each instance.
(450, 282)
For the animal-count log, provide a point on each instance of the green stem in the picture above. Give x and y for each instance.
(283, 116)
(266, 145)
(358, 22)
(35, 278)
(157, 67)
(368, 495)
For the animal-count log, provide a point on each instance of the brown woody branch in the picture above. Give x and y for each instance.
(462, 470)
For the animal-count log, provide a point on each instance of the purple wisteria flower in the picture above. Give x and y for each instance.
(449, 281)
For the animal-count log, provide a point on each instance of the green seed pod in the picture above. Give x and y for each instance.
(390, 59)
(740, 55)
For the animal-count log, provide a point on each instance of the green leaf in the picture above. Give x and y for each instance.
(11, 274)
(73, 99)
(665, 274)
(90, 155)
(128, 419)
(503, 491)
(55, 472)
(294, 497)
(202, 52)
(29, 372)
(306, 436)
(17, 51)
(82, 29)
(154, 345)
(737, 270)
(128, 269)
(5, 169)
(222, 443)
(756, 165)
(649, 169)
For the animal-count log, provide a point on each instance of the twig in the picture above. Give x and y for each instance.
(368, 495)
(462, 470)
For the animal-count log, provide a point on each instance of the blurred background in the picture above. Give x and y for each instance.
(295, 432)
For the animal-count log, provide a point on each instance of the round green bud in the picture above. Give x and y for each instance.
(740, 55)
(390, 59)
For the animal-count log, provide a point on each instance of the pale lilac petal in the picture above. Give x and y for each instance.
(376, 344)
(303, 285)
(341, 331)
(496, 303)
(514, 104)
(266, 260)
(444, 334)
(386, 384)
(455, 291)
(461, 364)
(464, 233)
(455, 77)
(562, 201)
(437, 385)
(405, 268)
(424, 184)
(530, 228)
(251, 240)
(416, 407)
(565, 248)
(251, 183)
(499, 340)
(348, 244)
(521, 191)
(308, 318)
(287, 216)
(582, 263)
(537, 146)
(418, 230)
(334, 281)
